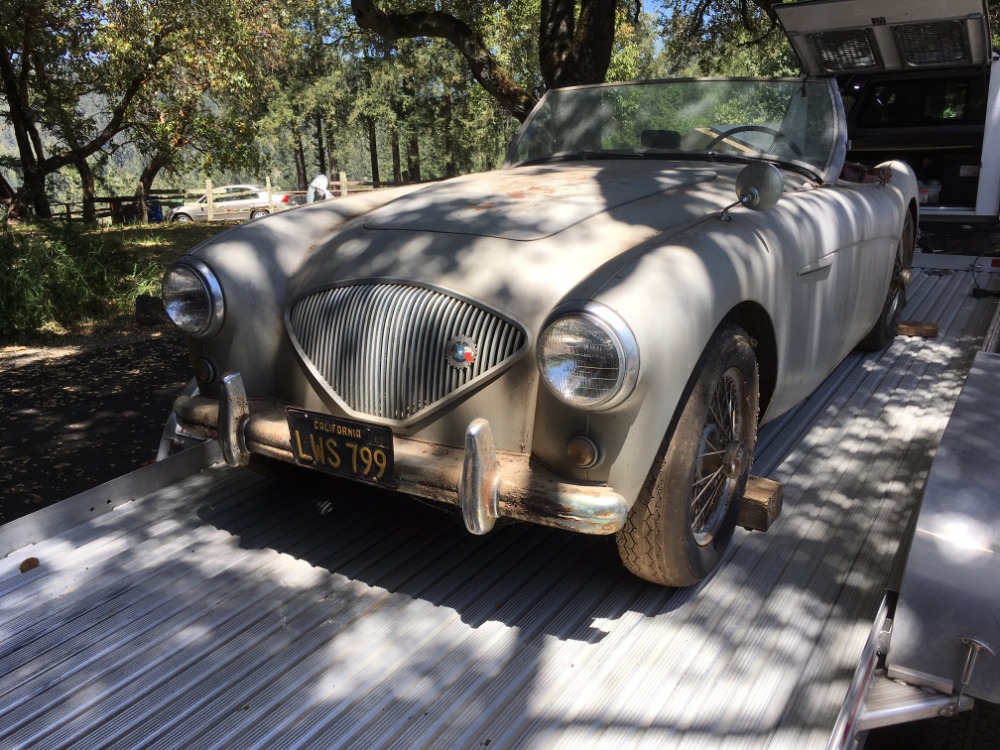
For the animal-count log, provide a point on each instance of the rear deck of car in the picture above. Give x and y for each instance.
(224, 609)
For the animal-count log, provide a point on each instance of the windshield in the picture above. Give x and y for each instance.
(796, 122)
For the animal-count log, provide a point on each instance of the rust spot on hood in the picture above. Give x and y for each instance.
(533, 191)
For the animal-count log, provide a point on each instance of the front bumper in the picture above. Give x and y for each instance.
(484, 483)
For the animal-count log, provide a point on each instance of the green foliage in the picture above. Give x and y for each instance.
(240, 90)
(59, 273)
(723, 38)
(634, 55)
(85, 77)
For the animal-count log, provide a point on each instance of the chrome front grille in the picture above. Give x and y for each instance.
(391, 350)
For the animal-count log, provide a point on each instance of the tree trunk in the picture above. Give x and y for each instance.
(87, 187)
(413, 158)
(397, 166)
(149, 173)
(32, 195)
(573, 49)
(32, 190)
(320, 151)
(450, 168)
(373, 150)
(145, 187)
(6, 189)
(300, 165)
(331, 152)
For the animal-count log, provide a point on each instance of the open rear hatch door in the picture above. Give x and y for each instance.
(835, 37)
(915, 76)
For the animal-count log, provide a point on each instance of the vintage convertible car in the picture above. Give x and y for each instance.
(587, 338)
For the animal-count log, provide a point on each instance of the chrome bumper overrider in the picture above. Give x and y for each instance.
(484, 483)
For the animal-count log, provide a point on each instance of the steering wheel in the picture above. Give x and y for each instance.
(776, 134)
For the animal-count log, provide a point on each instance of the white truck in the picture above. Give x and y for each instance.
(920, 84)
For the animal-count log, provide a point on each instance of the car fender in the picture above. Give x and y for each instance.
(778, 273)
(672, 297)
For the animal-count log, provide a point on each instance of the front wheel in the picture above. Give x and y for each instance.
(679, 527)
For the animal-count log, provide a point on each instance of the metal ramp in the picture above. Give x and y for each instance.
(227, 610)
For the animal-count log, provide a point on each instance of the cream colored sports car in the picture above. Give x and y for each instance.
(588, 338)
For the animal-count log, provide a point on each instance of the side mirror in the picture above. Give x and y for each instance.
(759, 185)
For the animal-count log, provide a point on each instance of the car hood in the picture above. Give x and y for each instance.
(518, 239)
(529, 203)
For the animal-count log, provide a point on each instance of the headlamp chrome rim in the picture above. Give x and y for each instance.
(212, 290)
(619, 334)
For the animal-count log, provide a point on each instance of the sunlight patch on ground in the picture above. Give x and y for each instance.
(21, 356)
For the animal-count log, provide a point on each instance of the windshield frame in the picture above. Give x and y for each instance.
(824, 173)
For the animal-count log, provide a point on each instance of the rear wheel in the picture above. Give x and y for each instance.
(682, 522)
(259, 213)
(887, 326)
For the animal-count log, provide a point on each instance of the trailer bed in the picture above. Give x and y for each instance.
(216, 608)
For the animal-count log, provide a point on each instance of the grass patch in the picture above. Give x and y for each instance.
(57, 277)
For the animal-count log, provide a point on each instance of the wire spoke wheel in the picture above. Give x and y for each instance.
(722, 458)
(680, 525)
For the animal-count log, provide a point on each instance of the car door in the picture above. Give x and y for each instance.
(242, 200)
(831, 257)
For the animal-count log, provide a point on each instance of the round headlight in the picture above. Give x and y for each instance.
(193, 298)
(588, 358)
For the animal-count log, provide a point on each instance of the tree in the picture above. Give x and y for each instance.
(208, 91)
(52, 56)
(77, 74)
(575, 41)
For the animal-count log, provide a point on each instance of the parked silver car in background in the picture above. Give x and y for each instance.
(233, 203)
(588, 338)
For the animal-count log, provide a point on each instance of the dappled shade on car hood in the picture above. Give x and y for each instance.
(518, 204)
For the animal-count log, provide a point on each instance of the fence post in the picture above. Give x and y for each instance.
(270, 195)
(140, 195)
(115, 208)
(342, 176)
(208, 199)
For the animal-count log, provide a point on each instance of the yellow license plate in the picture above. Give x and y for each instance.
(345, 447)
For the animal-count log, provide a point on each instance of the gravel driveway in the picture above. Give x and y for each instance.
(76, 413)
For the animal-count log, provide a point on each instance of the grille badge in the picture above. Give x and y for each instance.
(461, 353)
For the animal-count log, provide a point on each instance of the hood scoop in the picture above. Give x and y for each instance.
(528, 203)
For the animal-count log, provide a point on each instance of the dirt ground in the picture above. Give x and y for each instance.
(82, 410)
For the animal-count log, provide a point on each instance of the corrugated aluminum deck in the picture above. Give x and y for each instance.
(226, 610)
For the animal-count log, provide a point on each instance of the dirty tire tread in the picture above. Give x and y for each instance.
(634, 540)
(641, 544)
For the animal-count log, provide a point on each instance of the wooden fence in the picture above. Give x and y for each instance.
(157, 204)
